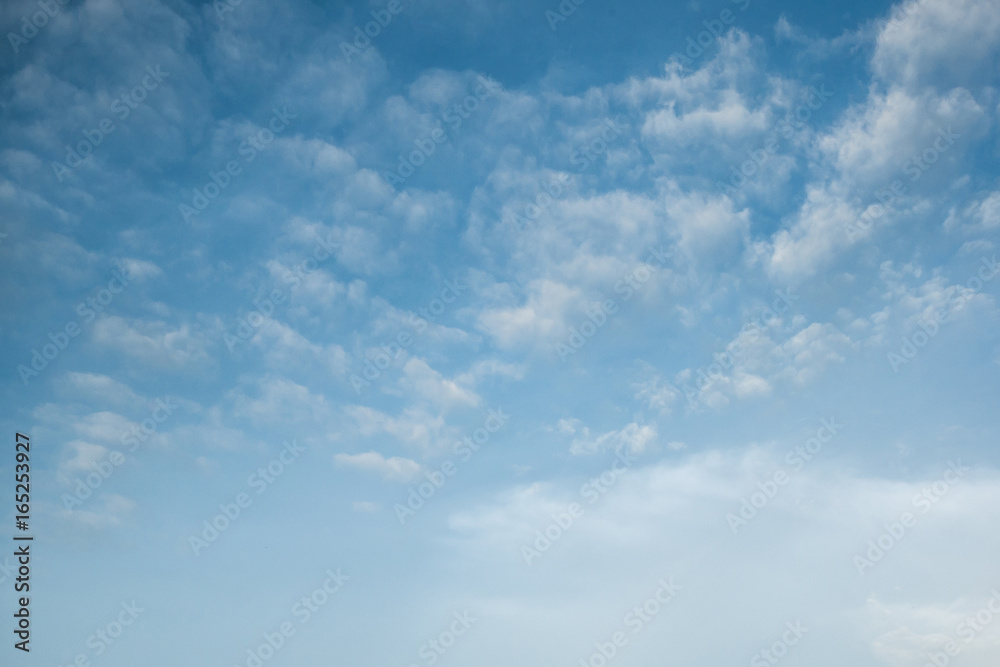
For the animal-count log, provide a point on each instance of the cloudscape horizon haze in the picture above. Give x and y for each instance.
(554, 332)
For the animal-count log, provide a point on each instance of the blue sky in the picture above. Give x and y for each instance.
(666, 332)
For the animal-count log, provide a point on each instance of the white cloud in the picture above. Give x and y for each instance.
(285, 349)
(95, 387)
(103, 426)
(812, 349)
(108, 510)
(729, 119)
(669, 519)
(921, 55)
(567, 426)
(486, 368)
(365, 506)
(657, 394)
(83, 457)
(708, 227)
(818, 231)
(153, 343)
(540, 319)
(632, 439)
(939, 42)
(414, 427)
(977, 217)
(273, 400)
(422, 382)
(395, 468)
(140, 269)
(911, 300)
(757, 359)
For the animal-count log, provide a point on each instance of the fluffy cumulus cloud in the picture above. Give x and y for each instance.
(939, 43)
(479, 301)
